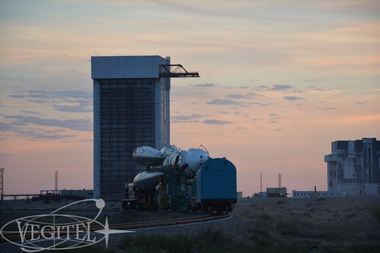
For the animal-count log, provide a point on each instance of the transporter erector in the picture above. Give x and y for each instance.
(181, 180)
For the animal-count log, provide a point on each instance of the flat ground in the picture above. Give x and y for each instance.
(329, 223)
(257, 225)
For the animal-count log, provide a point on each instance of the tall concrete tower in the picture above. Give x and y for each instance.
(131, 109)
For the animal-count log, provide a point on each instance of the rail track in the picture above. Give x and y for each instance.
(150, 224)
(125, 226)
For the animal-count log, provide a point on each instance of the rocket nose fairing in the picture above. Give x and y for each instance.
(148, 156)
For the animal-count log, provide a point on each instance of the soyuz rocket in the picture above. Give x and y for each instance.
(168, 159)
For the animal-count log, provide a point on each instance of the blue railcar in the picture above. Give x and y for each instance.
(216, 185)
(182, 180)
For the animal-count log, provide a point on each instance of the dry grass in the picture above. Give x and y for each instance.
(340, 225)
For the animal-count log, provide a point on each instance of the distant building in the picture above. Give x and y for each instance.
(87, 194)
(276, 192)
(261, 194)
(56, 195)
(131, 108)
(316, 194)
(353, 168)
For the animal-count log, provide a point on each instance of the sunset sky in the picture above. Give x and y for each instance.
(280, 81)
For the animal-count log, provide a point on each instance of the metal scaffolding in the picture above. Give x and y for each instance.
(175, 70)
(127, 112)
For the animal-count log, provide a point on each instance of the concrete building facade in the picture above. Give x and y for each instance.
(131, 109)
(354, 167)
